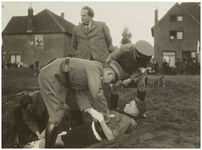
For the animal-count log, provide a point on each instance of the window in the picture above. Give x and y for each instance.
(180, 18)
(176, 18)
(179, 35)
(170, 58)
(176, 35)
(193, 54)
(173, 18)
(15, 59)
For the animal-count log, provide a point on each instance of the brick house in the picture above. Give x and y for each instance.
(43, 36)
(177, 34)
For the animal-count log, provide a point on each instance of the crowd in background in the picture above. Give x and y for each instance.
(188, 67)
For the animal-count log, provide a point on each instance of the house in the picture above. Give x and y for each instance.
(177, 33)
(41, 37)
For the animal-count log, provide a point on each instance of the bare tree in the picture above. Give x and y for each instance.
(126, 36)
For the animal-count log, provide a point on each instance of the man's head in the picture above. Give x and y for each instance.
(87, 15)
(25, 103)
(135, 107)
(143, 52)
(113, 73)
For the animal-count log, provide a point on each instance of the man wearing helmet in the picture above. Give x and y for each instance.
(133, 59)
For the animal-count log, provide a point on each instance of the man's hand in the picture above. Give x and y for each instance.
(126, 82)
(39, 135)
(95, 114)
(43, 133)
(142, 71)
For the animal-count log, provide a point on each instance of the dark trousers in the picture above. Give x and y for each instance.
(19, 127)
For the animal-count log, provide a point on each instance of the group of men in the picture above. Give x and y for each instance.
(90, 83)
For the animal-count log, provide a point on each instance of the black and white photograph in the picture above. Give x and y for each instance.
(100, 74)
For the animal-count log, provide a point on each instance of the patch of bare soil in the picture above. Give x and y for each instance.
(173, 111)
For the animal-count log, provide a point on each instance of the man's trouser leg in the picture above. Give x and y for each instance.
(51, 134)
(74, 108)
(114, 100)
(77, 116)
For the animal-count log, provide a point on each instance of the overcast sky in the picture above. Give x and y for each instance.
(138, 17)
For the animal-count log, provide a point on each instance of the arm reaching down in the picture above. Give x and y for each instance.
(98, 116)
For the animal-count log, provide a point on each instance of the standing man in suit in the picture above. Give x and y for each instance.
(91, 38)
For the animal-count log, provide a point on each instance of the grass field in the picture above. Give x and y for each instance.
(173, 111)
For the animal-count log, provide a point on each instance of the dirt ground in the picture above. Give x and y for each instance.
(173, 111)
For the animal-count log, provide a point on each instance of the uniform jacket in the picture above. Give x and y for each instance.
(125, 57)
(85, 78)
(121, 123)
(39, 112)
(94, 41)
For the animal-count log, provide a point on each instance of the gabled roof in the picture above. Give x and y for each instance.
(191, 9)
(43, 22)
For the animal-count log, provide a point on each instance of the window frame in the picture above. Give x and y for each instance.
(174, 35)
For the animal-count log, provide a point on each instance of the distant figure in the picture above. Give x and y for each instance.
(165, 67)
(178, 67)
(37, 64)
(156, 67)
(194, 66)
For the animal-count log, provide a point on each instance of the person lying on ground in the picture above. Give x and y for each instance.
(121, 122)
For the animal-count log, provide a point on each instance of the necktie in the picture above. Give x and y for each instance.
(87, 27)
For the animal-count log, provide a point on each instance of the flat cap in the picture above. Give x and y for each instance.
(144, 48)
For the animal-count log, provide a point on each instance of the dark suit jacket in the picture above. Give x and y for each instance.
(94, 41)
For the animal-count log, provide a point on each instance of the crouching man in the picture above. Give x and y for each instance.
(58, 78)
(133, 59)
(29, 118)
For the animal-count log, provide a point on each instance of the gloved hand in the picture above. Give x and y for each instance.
(39, 135)
(138, 74)
(126, 82)
(142, 71)
(95, 114)
(43, 133)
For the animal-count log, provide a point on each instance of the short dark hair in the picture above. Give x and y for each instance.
(24, 101)
(90, 11)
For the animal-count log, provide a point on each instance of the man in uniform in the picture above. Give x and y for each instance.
(133, 59)
(58, 77)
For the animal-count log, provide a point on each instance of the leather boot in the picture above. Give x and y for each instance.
(17, 140)
(50, 135)
(114, 101)
(77, 116)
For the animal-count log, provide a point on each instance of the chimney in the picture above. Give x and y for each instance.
(30, 20)
(156, 16)
(62, 15)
